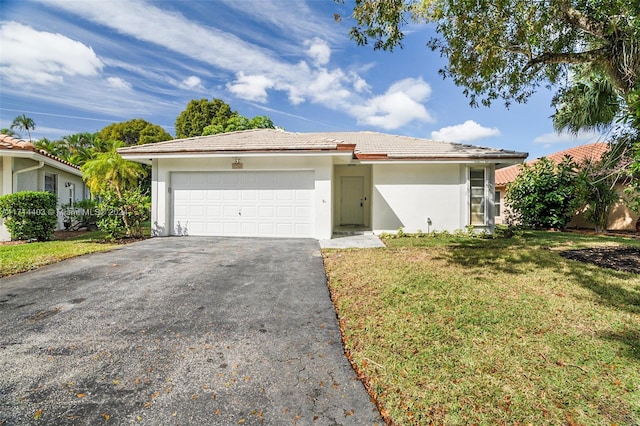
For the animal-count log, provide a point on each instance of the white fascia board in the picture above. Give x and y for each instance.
(39, 157)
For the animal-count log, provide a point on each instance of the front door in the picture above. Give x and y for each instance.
(352, 200)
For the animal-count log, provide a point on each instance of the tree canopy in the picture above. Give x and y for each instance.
(203, 117)
(505, 49)
(201, 113)
(133, 132)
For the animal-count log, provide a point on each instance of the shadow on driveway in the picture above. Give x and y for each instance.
(181, 331)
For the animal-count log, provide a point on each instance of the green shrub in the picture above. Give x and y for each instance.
(504, 231)
(544, 195)
(29, 215)
(83, 213)
(123, 216)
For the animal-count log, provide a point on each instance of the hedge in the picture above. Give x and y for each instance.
(29, 215)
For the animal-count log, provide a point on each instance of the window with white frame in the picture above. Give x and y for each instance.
(51, 183)
(477, 196)
(497, 202)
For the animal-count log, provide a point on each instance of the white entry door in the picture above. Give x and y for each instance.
(243, 203)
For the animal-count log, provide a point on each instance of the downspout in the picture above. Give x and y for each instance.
(28, 169)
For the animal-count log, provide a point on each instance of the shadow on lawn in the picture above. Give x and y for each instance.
(520, 258)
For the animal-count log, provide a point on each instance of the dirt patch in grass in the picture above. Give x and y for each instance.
(65, 235)
(626, 259)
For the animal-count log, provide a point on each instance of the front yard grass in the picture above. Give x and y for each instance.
(471, 331)
(15, 258)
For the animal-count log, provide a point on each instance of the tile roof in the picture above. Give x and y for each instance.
(365, 145)
(579, 154)
(11, 143)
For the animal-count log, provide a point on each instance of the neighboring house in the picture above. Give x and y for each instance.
(621, 217)
(23, 167)
(273, 183)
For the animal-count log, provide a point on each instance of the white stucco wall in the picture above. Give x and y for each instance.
(406, 195)
(62, 190)
(161, 220)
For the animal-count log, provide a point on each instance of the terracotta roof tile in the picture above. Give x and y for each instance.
(593, 151)
(368, 145)
(11, 143)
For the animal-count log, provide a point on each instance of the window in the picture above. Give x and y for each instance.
(497, 203)
(51, 183)
(477, 196)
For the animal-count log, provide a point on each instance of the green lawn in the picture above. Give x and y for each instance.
(506, 331)
(23, 257)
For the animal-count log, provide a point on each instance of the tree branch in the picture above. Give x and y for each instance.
(582, 21)
(567, 58)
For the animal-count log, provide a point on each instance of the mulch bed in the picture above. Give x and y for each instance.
(626, 259)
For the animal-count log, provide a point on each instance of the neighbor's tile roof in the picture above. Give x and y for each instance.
(11, 143)
(579, 154)
(365, 145)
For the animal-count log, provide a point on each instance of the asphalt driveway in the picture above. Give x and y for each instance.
(182, 331)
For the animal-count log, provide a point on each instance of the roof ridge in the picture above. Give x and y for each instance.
(9, 142)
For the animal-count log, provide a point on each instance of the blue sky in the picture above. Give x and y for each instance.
(76, 66)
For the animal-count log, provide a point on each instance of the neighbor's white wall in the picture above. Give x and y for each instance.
(161, 179)
(34, 181)
(405, 195)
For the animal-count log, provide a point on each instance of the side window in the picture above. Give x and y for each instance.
(51, 183)
(477, 196)
(498, 204)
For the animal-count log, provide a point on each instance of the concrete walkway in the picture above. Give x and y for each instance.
(178, 331)
(347, 240)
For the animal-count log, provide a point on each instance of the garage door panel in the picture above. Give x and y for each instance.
(267, 195)
(243, 203)
(265, 212)
(214, 195)
(249, 195)
(285, 195)
(230, 212)
(213, 228)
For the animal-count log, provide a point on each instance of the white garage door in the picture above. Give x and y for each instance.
(241, 203)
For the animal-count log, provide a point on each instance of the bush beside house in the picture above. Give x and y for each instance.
(29, 215)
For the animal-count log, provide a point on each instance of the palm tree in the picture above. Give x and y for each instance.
(23, 123)
(109, 171)
(80, 147)
(8, 132)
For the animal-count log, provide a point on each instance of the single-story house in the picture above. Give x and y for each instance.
(275, 183)
(23, 167)
(621, 218)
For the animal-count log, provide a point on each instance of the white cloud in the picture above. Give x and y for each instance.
(465, 132)
(399, 105)
(118, 83)
(359, 83)
(192, 83)
(549, 139)
(250, 87)
(291, 16)
(319, 51)
(257, 70)
(40, 57)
